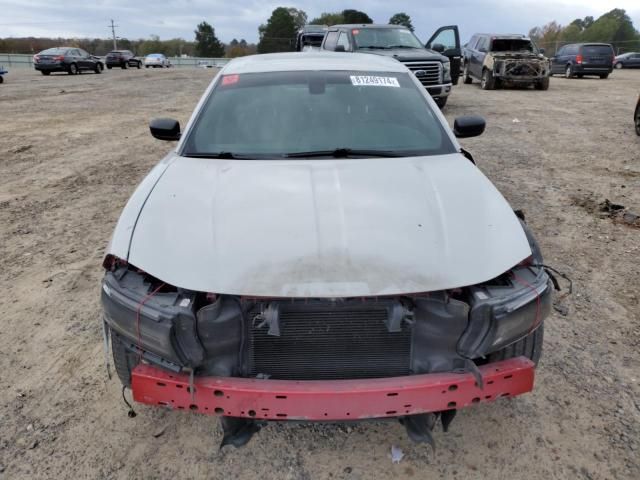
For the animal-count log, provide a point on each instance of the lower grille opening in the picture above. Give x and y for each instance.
(329, 341)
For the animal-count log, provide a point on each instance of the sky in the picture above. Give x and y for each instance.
(241, 18)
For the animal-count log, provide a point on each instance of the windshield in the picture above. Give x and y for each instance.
(385, 38)
(512, 45)
(280, 114)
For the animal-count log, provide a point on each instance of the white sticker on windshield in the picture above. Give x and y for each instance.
(375, 81)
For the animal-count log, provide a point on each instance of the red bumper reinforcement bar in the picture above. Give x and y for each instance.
(331, 399)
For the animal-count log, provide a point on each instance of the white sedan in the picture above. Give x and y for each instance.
(317, 246)
(156, 60)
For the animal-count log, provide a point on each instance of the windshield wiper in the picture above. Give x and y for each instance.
(344, 153)
(373, 46)
(402, 46)
(222, 155)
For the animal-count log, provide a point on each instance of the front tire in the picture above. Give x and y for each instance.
(488, 82)
(619, 66)
(139, 65)
(73, 69)
(44, 72)
(124, 66)
(636, 119)
(542, 84)
(98, 68)
(441, 102)
(604, 76)
(530, 347)
(466, 78)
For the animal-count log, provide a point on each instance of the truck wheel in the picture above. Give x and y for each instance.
(441, 101)
(543, 84)
(487, 82)
(568, 73)
(530, 347)
(123, 360)
(466, 78)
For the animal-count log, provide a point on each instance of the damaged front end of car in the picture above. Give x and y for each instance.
(417, 357)
(518, 67)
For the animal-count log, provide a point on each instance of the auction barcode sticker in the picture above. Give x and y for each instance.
(374, 81)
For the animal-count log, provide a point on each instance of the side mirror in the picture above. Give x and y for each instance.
(542, 50)
(339, 48)
(468, 126)
(165, 129)
(437, 47)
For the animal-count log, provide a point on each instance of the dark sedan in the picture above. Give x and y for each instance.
(66, 59)
(122, 59)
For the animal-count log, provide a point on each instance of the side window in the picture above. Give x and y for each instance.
(447, 38)
(331, 41)
(483, 44)
(473, 42)
(573, 50)
(343, 40)
(83, 53)
(561, 51)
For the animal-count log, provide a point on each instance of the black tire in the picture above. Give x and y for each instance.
(488, 82)
(636, 119)
(530, 347)
(146, 66)
(139, 65)
(568, 72)
(124, 66)
(604, 76)
(45, 73)
(73, 69)
(109, 67)
(1, 79)
(124, 361)
(543, 84)
(466, 78)
(580, 75)
(98, 68)
(619, 65)
(441, 102)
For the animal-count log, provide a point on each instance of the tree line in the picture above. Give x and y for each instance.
(279, 34)
(613, 27)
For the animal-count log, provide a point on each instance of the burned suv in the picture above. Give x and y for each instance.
(436, 64)
(360, 267)
(498, 60)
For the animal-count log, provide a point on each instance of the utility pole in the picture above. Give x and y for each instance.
(113, 33)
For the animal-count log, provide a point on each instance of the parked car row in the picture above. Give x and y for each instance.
(74, 60)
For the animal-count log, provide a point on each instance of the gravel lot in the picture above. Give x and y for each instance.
(72, 150)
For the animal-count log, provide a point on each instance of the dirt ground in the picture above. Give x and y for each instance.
(72, 150)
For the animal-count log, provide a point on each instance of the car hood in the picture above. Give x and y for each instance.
(325, 227)
(408, 55)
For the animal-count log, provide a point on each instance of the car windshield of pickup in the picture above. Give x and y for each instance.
(385, 38)
(512, 45)
(316, 114)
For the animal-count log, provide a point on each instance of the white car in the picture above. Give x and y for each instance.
(156, 60)
(317, 246)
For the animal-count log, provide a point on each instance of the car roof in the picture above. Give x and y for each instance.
(514, 36)
(366, 25)
(325, 61)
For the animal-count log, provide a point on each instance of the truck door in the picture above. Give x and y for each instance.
(446, 40)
